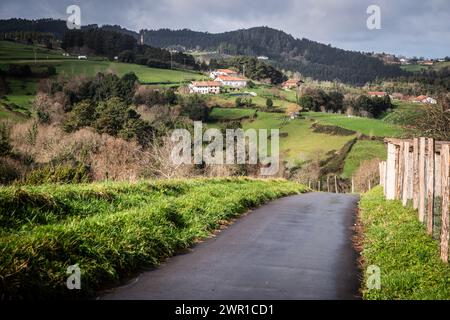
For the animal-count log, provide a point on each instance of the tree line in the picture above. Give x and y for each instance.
(318, 100)
(112, 44)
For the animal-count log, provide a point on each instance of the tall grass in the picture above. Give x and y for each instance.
(396, 242)
(113, 229)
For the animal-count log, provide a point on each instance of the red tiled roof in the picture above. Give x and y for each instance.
(227, 71)
(227, 78)
(377, 93)
(206, 83)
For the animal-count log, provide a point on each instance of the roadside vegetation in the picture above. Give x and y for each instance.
(394, 240)
(112, 229)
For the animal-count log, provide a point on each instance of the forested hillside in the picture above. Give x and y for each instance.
(310, 58)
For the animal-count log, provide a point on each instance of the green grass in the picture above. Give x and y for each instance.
(112, 229)
(405, 113)
(280, 98)
(145, 74)
(414, 67)
(230, 114)
(361, 151)
(301, 144)
(396, 242)
(16, 51)
(369, 127)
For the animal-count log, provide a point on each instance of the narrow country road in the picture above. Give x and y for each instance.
(293, 248)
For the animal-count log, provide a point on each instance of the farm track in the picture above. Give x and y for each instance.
(298, 247)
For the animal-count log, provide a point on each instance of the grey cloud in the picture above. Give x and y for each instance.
(409, 27)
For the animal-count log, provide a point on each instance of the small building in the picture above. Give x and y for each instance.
(82, 57)
(291, 84)
(426, 63)
(379, 94)
(205, 87)
(234, 82)
(263, 58)
(425, 100)
(223, 72)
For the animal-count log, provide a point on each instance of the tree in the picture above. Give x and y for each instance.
(269, 103)
(82, 115)
(195, 108)
(110, 116)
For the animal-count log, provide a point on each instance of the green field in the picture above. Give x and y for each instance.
(414, 68)
(301, 144)
(112, 229)
(405, 113)
(280, 98)
(395, 241)
(361, 151)
(369, 127)
(23, 90)
(230, 114)
(15, 51)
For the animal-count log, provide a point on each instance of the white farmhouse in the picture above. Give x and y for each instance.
(222, 72)
(234, 82)
(205, 87)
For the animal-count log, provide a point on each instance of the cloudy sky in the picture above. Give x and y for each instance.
(408, 27)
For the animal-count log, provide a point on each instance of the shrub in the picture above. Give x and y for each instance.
(59, 174)
(10, 170)
(5, 139)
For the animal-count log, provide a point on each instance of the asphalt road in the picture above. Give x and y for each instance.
(293, 248)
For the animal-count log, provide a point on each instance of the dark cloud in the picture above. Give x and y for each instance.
(409, 27)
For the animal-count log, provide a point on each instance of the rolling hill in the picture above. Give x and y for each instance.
(310, 58)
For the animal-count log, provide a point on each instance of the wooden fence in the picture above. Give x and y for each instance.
(417, 173)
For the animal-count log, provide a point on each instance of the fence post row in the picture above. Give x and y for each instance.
(418, 170)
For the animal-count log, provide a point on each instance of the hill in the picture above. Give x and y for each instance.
(310, 58)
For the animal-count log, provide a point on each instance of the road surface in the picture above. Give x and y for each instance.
(293, 248)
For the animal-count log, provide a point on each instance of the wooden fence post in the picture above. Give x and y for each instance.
(430, 186)
(390, 172)
(416, 174)
(445, 194)
(400, 170)
(336, 184)
(405, 173)
(318, 185)
(353, 185)
(422, 180)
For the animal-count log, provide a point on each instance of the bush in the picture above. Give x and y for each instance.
(10, 170)
(5, 139)
(59, 174)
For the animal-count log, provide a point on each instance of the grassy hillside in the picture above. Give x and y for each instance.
(396, 242)
(112, 229)
(361, 151)
(370, 127)
(11, 51)
(301, 143)
(16, 104)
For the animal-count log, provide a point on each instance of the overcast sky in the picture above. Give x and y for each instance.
(408, 27)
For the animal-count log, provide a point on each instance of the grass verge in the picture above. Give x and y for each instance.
(396, 242)
(111, 230)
